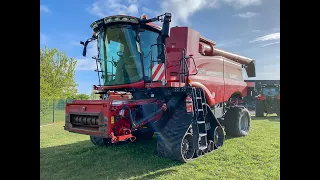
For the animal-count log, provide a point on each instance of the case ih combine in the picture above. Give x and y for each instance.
(160, 79)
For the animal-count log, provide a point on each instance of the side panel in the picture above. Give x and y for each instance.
(233, 79)
(221, 76)
(210, 74)
(180, 38)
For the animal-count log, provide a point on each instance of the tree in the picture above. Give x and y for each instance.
(94, 96)
(83, 96)
(57, 79)
(80, 97)
(57, 73)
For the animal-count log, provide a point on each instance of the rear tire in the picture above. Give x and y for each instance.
(237, 122)
(259, 109)
(99, 141)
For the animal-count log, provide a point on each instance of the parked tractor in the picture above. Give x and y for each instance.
(172, 81)
(268, 99)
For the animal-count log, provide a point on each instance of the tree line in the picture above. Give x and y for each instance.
(57, 77)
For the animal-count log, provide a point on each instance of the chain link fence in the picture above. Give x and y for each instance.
(52, 110)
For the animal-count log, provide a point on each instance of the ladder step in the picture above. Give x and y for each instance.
(202, 147)
(201, 122)
(202, 134)
(200, 109)
(199, 98)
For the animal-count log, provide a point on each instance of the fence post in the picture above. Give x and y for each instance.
(53, 112)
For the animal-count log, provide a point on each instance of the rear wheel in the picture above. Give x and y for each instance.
(218, 138)
(237, 122)
(99, 141)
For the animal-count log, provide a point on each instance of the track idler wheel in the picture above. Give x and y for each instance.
(187, 150)
(218, 137)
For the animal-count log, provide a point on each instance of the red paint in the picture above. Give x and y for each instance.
(115, 139)
(251, 84)
(189, 104)
(261, 97)
(278, 97)
(120, 125)
(139, 84)
(221, 76)
(107, 109)
(210, 99)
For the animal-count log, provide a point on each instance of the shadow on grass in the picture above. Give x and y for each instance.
(83, 160)
(270, 118)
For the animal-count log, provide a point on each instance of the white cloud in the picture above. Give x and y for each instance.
(231, 43)
(44, 39)
(272, 66)
(44, 8)
(103, 8)
(242, 3)
(182, 9)
(87, 63)
(75, 43)
(247, 15)
(273, 36)
(278, 42)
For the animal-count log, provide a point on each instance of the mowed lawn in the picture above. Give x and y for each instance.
(65, 155)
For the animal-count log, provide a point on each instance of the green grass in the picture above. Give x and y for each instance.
(65, 155)
(47, 118)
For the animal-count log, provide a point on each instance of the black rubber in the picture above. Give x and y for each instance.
(143, 134)
(170, 138)
(259, 109)
(98, 141)
(237, 122)
(278, 108)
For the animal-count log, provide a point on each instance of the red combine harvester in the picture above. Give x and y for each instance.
(172, 81)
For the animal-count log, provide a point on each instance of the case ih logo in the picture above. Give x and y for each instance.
(83, 108)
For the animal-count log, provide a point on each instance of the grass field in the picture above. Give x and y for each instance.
(65, 155)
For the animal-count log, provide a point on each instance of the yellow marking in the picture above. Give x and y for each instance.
(112, 119)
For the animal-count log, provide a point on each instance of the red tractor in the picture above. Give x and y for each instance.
(172, 81)
(268, 99)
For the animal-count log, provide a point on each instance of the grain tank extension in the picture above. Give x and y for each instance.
(172, 81)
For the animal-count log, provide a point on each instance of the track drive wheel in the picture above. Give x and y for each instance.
(175, 140)
(218, 138)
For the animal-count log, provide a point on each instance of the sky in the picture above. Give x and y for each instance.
(250, 28)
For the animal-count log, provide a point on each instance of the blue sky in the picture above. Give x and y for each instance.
(250, 28)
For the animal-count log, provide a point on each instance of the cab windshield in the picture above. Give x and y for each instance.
(125, 57)
(119, 52)
(270, 91)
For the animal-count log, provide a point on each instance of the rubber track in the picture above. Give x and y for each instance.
(169, 140)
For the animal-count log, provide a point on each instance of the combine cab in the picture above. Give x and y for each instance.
(160, 79)
(268, 99)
